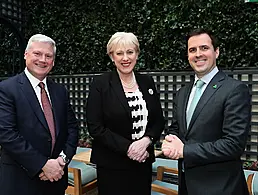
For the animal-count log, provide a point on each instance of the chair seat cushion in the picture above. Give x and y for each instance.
(164, 162)
(248, 172)
(81, 149)
(255, 183)
(88, 173)
(165, 184)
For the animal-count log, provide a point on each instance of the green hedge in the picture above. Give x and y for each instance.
(82, 28)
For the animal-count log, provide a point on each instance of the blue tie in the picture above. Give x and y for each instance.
(197, 95)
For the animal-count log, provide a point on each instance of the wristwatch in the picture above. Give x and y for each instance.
(63, 156)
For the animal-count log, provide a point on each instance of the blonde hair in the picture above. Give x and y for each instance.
(122, 39)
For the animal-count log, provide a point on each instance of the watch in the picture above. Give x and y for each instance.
(151, 139)
(65, 159)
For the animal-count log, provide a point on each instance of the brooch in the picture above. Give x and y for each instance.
(150, 91)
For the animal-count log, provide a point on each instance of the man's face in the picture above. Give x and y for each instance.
(201, 54)
(39, 59)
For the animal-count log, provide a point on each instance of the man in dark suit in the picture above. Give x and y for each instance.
(210, 125)
(38, 128)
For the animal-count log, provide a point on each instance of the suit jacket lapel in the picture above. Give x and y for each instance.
(29, 93)
(119, 91)
(186, 96)
(144, 88)
(212, 87)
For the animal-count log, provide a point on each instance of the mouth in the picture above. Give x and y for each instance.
(200, 62)
(41, 65)
(126, 64)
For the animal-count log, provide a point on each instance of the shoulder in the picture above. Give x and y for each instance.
(232, 83)
(58, 88)
(101, 79)
(53, 83)
(10, 80)
(144, 77)
(10, 84)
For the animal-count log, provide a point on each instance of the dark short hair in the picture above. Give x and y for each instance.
(200, 31)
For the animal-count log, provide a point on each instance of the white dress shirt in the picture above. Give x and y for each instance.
(35, 85)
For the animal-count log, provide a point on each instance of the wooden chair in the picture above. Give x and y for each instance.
(249, 183)
(159, 186)
(251, 177)
(81, 178)
(162, 187)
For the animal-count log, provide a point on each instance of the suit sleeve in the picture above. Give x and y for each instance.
(19, 149)
(95, 122)
(156, 121)
(235, 129)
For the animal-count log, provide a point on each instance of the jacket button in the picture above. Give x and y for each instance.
(49, 140)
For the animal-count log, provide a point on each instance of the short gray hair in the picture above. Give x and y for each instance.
(41, 38)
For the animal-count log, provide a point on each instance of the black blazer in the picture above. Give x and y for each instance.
(110, 122)
(216, 137)
(25, 137)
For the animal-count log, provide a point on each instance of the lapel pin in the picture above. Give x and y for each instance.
(214, 86)
(150, 91)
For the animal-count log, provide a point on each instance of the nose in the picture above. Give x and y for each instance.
(42, 58)
(125, 57)
(198, 53)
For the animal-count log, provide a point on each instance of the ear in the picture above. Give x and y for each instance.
(217, 52)
(111, 57)
(25, 54)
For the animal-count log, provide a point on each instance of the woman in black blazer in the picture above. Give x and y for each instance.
(125, 118)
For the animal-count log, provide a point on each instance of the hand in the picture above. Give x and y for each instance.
(52, 170)
(169, 151)
(61, 162)
(43, 177)
(169, 138)
(144, 157)
(173, 147)
(137, 150)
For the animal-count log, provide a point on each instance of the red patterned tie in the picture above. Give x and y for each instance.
(48, 113)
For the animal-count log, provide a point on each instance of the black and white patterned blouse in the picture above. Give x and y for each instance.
(139, 113)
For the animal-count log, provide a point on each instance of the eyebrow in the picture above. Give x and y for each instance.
(199, 46)
(125, 50)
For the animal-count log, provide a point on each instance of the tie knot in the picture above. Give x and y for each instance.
(42, 85)
(199, 83)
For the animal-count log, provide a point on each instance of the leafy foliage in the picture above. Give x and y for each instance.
(83, 28)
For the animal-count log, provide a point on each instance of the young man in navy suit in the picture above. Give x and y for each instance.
(210, 125)
(38, 128)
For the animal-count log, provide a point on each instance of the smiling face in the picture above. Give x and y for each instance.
(201, 54)
(125, 58)
(39, 59)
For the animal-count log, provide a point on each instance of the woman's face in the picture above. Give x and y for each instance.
(125, 58)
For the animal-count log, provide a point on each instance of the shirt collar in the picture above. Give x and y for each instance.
(33, 80)
(207, 78)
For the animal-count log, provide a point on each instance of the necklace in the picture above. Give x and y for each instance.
(130, 85)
